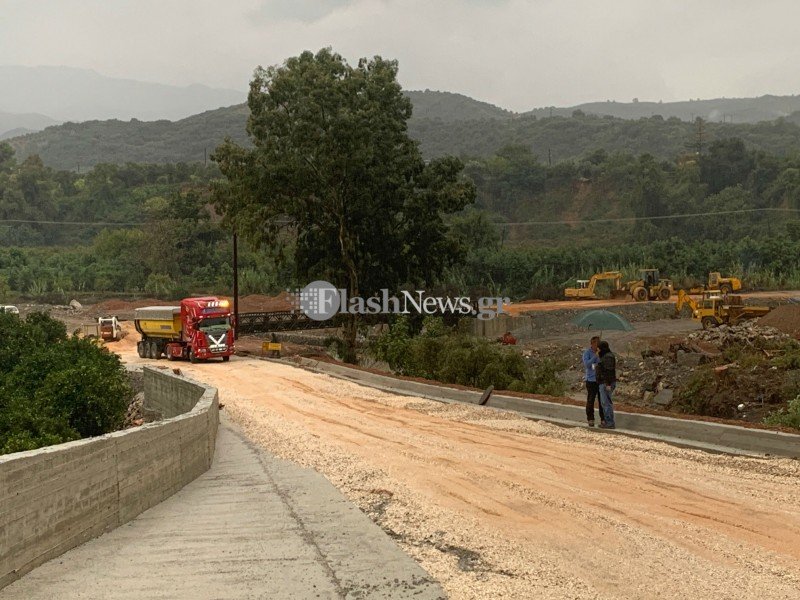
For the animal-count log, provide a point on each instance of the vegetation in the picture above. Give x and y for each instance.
(54, 387)
(788, 417)
(442, 354)
(333, 169)
(443, 123)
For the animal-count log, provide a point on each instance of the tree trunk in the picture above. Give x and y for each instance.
(351, 321)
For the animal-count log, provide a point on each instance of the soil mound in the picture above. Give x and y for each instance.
(117, 305)
(785, 318)
(261, 303)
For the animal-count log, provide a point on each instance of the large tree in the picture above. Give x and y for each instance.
(333, 166)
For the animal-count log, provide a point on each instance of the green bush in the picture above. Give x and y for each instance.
(55, 388)
(451, 357)
(788, 417)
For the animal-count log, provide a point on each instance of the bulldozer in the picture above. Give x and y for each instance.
(716, 281)
(726, 285)
(649, 286)
(587, 288)
(715, 309)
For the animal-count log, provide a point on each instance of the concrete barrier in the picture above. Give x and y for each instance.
(55, 498)
(704, 435)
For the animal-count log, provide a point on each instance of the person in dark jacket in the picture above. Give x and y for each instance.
(590, 360)
(607, 381)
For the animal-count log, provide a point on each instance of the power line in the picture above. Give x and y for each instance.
(85, 223)
(654, 218)
(98, 223)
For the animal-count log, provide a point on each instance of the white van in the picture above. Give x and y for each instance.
(9, 309)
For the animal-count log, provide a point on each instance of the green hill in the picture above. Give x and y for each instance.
(443, 123)
(449, 107)
(81, 145)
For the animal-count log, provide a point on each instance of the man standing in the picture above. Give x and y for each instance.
(607, 380)
(590, 360)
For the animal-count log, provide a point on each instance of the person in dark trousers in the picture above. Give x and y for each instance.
(607, 381)
(590, 360)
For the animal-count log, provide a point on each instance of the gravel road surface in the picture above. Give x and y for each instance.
(495, 506)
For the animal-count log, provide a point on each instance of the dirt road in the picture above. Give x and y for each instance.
(518, 308)
(495, 506)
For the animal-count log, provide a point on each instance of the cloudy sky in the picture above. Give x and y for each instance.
(514, 53)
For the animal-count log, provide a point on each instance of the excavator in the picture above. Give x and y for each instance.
(586, 289)
(714, 309)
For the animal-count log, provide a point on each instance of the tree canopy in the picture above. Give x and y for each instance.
(333, 166)
(55, 388)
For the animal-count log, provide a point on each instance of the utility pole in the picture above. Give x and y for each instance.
(699, 135)
(549, 158)
(235, 286)
(205, 162)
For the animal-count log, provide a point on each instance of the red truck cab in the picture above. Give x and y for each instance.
(207, 328)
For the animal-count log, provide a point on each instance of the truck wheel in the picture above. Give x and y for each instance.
(708, 323)
(168, 354)
(726, 289)
(664, 294)
(226, 358)
(140, 349)
(192, 358)
(639, 294)
(154, 353)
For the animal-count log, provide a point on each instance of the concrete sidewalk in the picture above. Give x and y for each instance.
(253, 526)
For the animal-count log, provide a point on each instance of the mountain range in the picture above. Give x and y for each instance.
(60, 94)
(114, 120)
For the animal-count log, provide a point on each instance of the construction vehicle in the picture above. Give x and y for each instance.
(649, 286)
(198, 329)
(715, 309)
(109, 329)
(106, 328)
(726, 285)
(716, 281)
(586, 289)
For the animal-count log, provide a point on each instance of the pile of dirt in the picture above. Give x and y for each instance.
(712, 373)
(115, 305)
(261, 303)
(785, 318)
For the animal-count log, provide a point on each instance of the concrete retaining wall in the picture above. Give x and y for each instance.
(685, 432)
(56, 498)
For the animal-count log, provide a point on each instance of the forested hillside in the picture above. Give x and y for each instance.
(743, 207)
(443, 123)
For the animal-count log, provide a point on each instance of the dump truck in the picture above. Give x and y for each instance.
(586, 289)
(715, 309)
(649, 286)
(197, 330)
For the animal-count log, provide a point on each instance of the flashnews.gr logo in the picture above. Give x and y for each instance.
(321, 300)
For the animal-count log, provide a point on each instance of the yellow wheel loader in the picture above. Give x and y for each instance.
(649, 286)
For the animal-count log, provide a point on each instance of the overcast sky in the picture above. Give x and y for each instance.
(514, 53)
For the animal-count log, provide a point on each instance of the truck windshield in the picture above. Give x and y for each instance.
(215, 324)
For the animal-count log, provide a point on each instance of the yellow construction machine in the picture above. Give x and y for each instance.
(715, 309)
(649, 286)
(716, 281)
(587, 288)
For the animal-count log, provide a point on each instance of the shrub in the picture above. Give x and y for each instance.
(788, 417)
(55, 388)
(450, 357)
